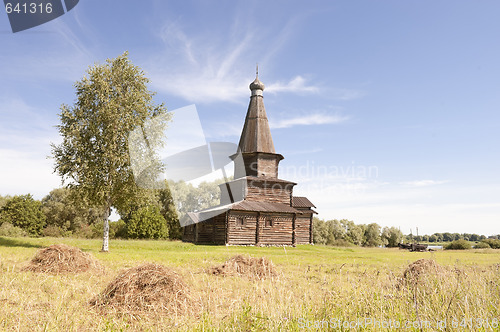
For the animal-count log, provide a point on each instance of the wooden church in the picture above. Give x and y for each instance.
(267, 213)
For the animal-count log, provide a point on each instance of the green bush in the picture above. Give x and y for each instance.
(481, 245)
(493, 243)
(147, 223)
(24, 212)
(6, 229)
(87, 232)
(97, 230)
(458, 245)
(118, 229)
(54, 231)
(64, 209)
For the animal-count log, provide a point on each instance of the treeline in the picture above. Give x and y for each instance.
(63, 214)
(449, 237)
(346, 233)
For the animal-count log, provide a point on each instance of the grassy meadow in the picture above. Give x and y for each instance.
(318, 288)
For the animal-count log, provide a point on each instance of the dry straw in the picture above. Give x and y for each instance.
(148, 287)
(61, 258)
(246, 266)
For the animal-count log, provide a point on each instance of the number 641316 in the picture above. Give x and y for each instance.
(29, 8)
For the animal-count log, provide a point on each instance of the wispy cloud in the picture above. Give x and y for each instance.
(308, 120)
(422, 183)
(196, 70)
(297, 85)
(204, 69)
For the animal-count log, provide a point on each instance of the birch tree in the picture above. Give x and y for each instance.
(111, 100)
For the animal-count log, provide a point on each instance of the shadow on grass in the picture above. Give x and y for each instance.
(6, 242)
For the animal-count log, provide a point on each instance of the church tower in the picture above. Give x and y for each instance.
(256, 207)
(256, 143)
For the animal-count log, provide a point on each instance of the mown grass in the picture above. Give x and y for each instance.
(317, 285)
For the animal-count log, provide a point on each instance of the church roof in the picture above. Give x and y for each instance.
(243, 205)
(301, 202)
(256, 135)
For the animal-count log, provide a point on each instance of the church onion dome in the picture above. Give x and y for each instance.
(257, 85)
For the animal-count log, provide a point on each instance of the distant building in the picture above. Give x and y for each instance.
(269, 214)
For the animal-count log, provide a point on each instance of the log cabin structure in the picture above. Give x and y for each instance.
(268, 214)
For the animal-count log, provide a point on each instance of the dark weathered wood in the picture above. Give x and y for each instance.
(257, 231)
(311, 229)
(226, 214)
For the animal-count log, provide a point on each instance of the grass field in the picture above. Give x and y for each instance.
(318, 287)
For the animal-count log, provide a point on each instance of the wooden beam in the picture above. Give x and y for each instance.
(196, 233)
(311, 229)
(257, 231)
(226, 222)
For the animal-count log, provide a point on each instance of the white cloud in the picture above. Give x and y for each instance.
(422, 183)
(296, 85)
(205, 69)
(25, 137)
(198, 72)
(308, 120)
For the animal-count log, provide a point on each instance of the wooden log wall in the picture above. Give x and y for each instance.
(211, 230)
(244, 233)
(263, 191)
(281, 231)
(302, 228)
(188, 233)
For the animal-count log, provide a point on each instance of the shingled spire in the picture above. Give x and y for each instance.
(256, 143)
(256, 135)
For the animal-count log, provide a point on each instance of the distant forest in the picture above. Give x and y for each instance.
(61, 214)
(346, 232)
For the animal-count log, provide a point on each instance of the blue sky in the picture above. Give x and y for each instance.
(385, 111)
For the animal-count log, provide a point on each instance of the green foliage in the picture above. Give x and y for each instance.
(458, 245)
(111, 101)
(118, 229)
(169, 212)
(189, 198)
(354, 233)
(24, 212)
(147, 223)
(372, 236)
(68, 212)
(493, 243)
(392, 236)
(3, 200)
(341, 233)
(6, 229)
(320, 231)
(481, 245)
(55, 231)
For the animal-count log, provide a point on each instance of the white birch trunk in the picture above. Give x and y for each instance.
(105, 237)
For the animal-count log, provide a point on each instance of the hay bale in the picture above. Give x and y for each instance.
(144, 288)
(246, 266)
(61, 258)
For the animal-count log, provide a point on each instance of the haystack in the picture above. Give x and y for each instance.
(61, 258)
(144, 288)
(247, 266)
(421, 270)
(421, 267)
